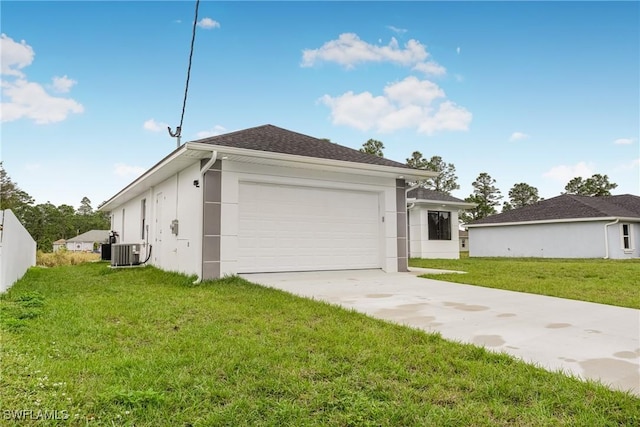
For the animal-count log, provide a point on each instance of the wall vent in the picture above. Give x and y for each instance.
(125, 254)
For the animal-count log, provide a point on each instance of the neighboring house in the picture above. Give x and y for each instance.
(267, 199)
(463, 235)
(59, 244)
(433, 224)
(566, 226)
(86, 242)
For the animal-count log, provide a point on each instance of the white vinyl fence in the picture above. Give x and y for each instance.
(17, 250)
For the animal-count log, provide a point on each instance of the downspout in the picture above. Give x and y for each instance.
(413, 187)
(606, 238)
(203, 170)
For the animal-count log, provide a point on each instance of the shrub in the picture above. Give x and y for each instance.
(63, 257)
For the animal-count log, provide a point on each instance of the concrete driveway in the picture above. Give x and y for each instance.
(589, 340)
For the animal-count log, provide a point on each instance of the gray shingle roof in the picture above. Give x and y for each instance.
(91, 236)
(277, 140)
(425, 194)
(569, 206)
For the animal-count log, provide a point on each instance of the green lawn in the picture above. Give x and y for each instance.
(614, 282)
(147, 348)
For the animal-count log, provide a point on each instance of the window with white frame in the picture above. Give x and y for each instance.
(626, 236)
(439, 224)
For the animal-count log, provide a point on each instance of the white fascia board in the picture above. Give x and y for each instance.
(316, 163)
(552, 221)
(165, 168)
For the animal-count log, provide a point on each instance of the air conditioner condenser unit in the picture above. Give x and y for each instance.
(125, 254)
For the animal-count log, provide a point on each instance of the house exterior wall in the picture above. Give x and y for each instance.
(550, 240)
(616, 243)
(176, 198)
(79, 246)
(17, 250)
(207, 239)
(419, 244)
(233, 173)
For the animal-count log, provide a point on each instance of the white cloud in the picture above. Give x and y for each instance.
(431, 68)
(406, 104)
(14, 56)
(32, 167)
(153, 126)
(25, 99)
(411, 90)
(458, 50)
(564, 173)
(623, 141)
(30, 100)
(349, 50)
(63, 84)
(518, 136)
(448, 117)
(208, 23)
(396, 29)
(217, 130)
(127, 171)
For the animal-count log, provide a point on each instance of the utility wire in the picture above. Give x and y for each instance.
(178, 133)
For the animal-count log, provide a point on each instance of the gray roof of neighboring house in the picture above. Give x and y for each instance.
(569, 206)
(91, 236)
(277, 140)
(425, 194)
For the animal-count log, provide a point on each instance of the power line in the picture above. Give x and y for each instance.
(178, 133)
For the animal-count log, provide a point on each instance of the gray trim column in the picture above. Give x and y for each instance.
(211, 217)
(401, 221)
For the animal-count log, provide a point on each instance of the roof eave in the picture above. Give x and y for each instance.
(139, 185)
(296, 160)
(551, 221)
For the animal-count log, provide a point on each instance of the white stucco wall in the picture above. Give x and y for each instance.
(550, 240)
(79, 246)
(17, 250)
(235, 172)
(419, 244)
(174, 198)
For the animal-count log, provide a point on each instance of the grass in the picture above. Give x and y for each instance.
(147, 348)
(64, 257)
(613, 282)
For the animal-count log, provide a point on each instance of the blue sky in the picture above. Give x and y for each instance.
(535, 92)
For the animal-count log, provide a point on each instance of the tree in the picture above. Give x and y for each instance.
(416, 161)
(445, 182)
(486, 195)
(373, 146)
(11, 196)
(520, 195)
(598, 185)
(85, 207)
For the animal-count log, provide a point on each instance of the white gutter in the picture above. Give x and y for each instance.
(606, 238)
(551, 221)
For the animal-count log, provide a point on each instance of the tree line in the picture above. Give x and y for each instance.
(486, 195)
(46, 222)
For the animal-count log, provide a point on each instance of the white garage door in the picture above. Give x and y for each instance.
(288, 228)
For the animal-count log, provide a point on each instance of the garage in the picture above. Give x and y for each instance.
(297, 228)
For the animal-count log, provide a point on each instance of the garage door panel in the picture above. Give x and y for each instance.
(289, 228)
